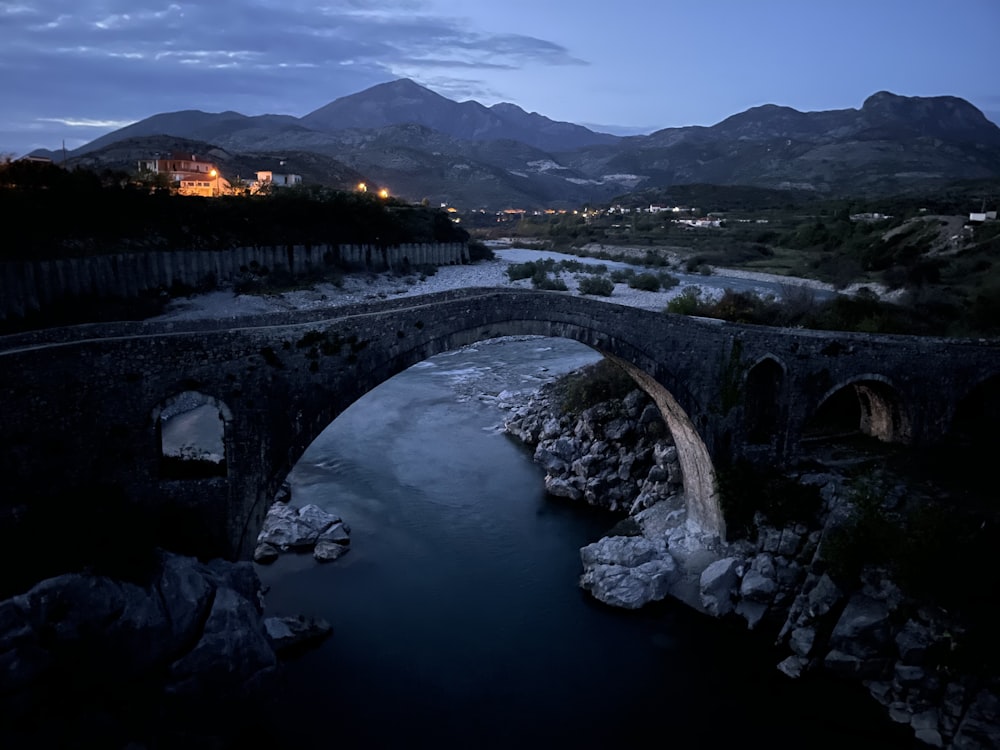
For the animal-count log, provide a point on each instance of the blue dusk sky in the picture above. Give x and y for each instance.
(75, 69)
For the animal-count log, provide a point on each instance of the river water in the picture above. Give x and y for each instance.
(457, 619)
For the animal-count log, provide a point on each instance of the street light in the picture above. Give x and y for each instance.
(383, 193)
(215, 173)
(362, 187)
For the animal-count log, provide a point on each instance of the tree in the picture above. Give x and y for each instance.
(155, 181)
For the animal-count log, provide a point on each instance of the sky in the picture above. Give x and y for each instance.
(73, 70)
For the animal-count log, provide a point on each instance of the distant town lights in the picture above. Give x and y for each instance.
(383, 193)
(362, 187)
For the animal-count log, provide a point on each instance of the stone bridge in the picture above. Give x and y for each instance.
(85, 409)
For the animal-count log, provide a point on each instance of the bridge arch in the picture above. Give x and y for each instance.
(869, 404)
(666, 388)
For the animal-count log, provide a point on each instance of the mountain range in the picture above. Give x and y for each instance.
(423, 145)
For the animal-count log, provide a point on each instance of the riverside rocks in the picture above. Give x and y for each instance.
(301, 529)
(615, 455)
(287, 634)
(627, 571)
(618, 455)
(193, 629)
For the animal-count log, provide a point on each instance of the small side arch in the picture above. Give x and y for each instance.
(868, 405)
(191, 429)
(763, 400)
(977, 414)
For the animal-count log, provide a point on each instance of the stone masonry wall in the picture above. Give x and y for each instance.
(28, 287)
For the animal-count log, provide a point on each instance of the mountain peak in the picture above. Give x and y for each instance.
(399, 86)
(405, 102)
(508, 107)
(932, 116)
(882, 99)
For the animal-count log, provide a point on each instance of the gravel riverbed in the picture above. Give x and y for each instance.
(359, 287)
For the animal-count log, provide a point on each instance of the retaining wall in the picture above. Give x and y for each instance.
(30, 286)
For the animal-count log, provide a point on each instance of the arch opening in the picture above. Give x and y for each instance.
(697, 471)
(191, 429)
(866, 407)
(972, 434)
(762, 407)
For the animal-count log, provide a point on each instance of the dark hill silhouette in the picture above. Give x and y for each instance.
(424, 145)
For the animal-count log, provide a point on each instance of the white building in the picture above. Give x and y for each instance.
(278, 180)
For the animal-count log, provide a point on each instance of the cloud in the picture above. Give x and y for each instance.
(113, 38)
(75, 123)
(72, 62)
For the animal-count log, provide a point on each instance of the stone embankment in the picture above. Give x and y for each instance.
(618, 455)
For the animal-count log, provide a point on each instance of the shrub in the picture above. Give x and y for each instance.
(592, 385)
(479, 251)
(688, 302)
(530, 269)
(541, 280)
(928, 545)
(647, 282)
(426, 269)
(596, 285)
(518, 271)
(580, 267)
(653, 259)
(622, 275)
(693, 263)
(667, 280)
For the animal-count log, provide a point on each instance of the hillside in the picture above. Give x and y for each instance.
(423, 145)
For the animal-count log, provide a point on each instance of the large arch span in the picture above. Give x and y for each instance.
(665, 384)
(80, 404)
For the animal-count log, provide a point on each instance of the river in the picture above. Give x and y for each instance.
(457, 619)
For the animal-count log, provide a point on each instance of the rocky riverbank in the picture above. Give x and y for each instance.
(85, 655)
(159, 662)
(777, 579)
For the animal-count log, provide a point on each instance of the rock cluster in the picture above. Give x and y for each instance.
(899, 648)
(627, 571)
(287, 528)
(288, 634)
(192, 630)
(618, 455)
